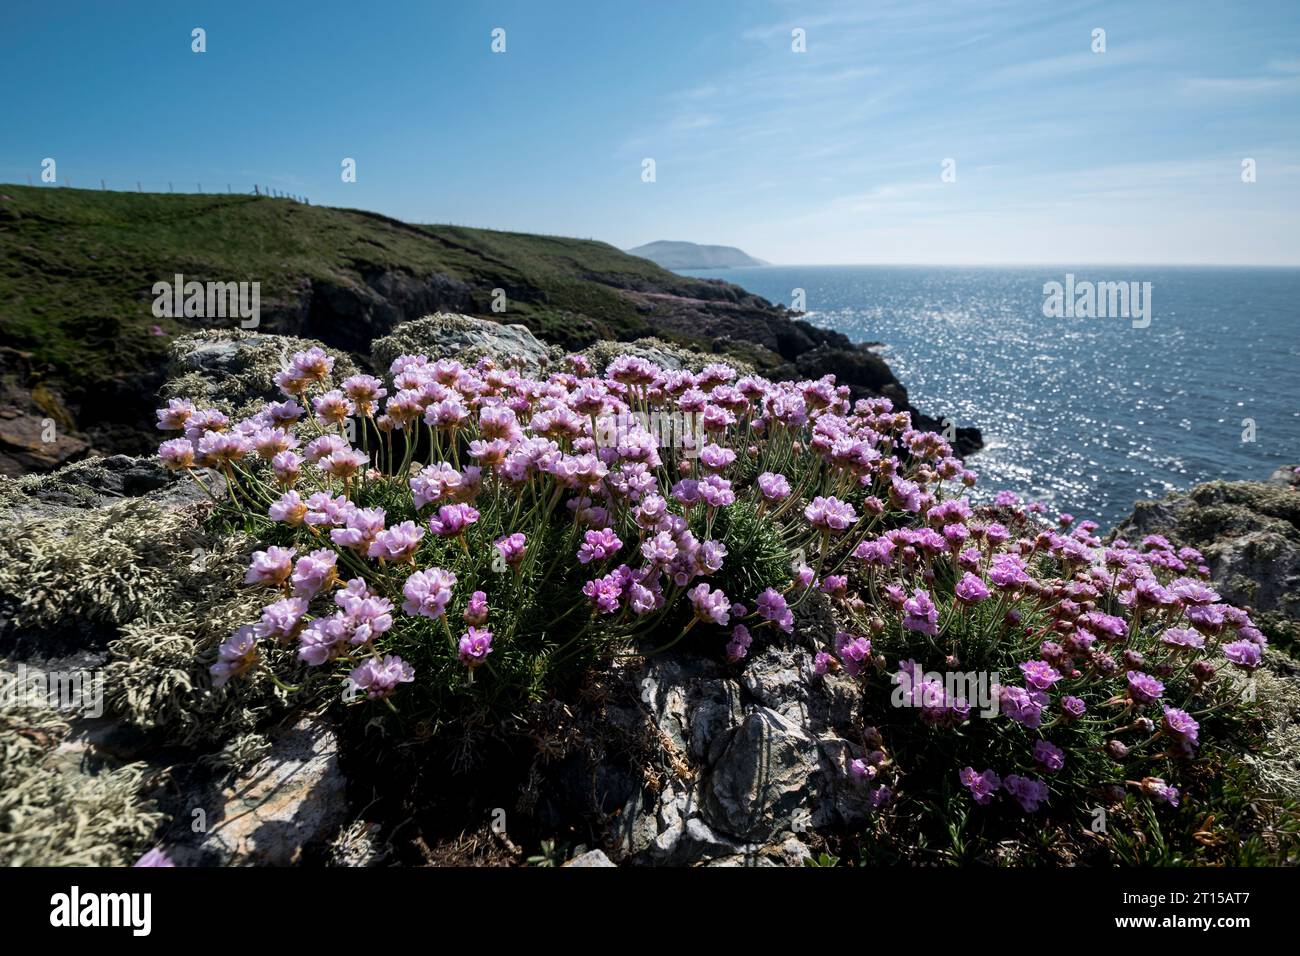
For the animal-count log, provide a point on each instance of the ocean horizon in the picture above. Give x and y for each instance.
(1082, 412)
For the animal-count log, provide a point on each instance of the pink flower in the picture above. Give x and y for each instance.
(1026, 791)
(1039, 674)
(830, 514)
(1245, 654)
(739, 644)
(971, 589)
(1181, 725)
(314, 572)
(343, 463)
(177, 454)
(982, 786)
(379, 678)
(475, 646)
(453, 519)
(1049, 755)
(773, 487)
(398, 543)
(771, 606)
(476, 612)
(287, 467)
(511, 548)
(428, 592)
(281, 619)
(659, 550)
(363, 524)
(365, 391)
(710, 605)
(598, 545)
(920, 614)
(155, 857)
(271, 566)
(290, 509)
(175, 416)
(235, 656)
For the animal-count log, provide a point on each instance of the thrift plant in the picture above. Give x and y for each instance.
(462, 539)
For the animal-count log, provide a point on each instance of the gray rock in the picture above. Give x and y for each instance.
(775, 678)
(764, 778)
(98, 482)
(465, 339)
(667, 687)
(1249, 533)
(845, 800)
(235, 369)
(758, 750)
(745, 859)
(793, 852)
(667, 356)
(293, 801)
(590, 858)
(715, 710)
(1288, 476)
(689, 841)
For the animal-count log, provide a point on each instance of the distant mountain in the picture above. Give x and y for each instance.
(691, 255)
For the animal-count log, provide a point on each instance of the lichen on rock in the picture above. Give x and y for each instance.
(233, 369)
(465, 339)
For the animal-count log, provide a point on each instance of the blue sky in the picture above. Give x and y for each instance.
(833, 155)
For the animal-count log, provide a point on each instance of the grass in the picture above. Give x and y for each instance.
(77, 269)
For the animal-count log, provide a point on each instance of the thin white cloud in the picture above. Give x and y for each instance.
(1242, 84)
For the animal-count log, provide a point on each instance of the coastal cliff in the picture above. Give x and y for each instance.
(675, 759)
(82, 352)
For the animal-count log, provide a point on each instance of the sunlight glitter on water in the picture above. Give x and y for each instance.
(1087, 415)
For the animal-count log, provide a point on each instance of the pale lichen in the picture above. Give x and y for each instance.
(665, 354)
(51, 813)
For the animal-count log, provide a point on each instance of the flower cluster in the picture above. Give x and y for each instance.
(484, 496)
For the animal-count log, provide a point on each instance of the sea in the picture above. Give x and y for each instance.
(1084, 412)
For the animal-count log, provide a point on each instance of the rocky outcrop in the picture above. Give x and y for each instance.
(867, 374)
(234, 368)
(753, 757)
(1249, 533)
(664, 354)
(736, 322)
(350, 316)
(592, 858)
(1288, 476)
(290, 805)
(106, 576)
(37, 431)
(466, 339)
